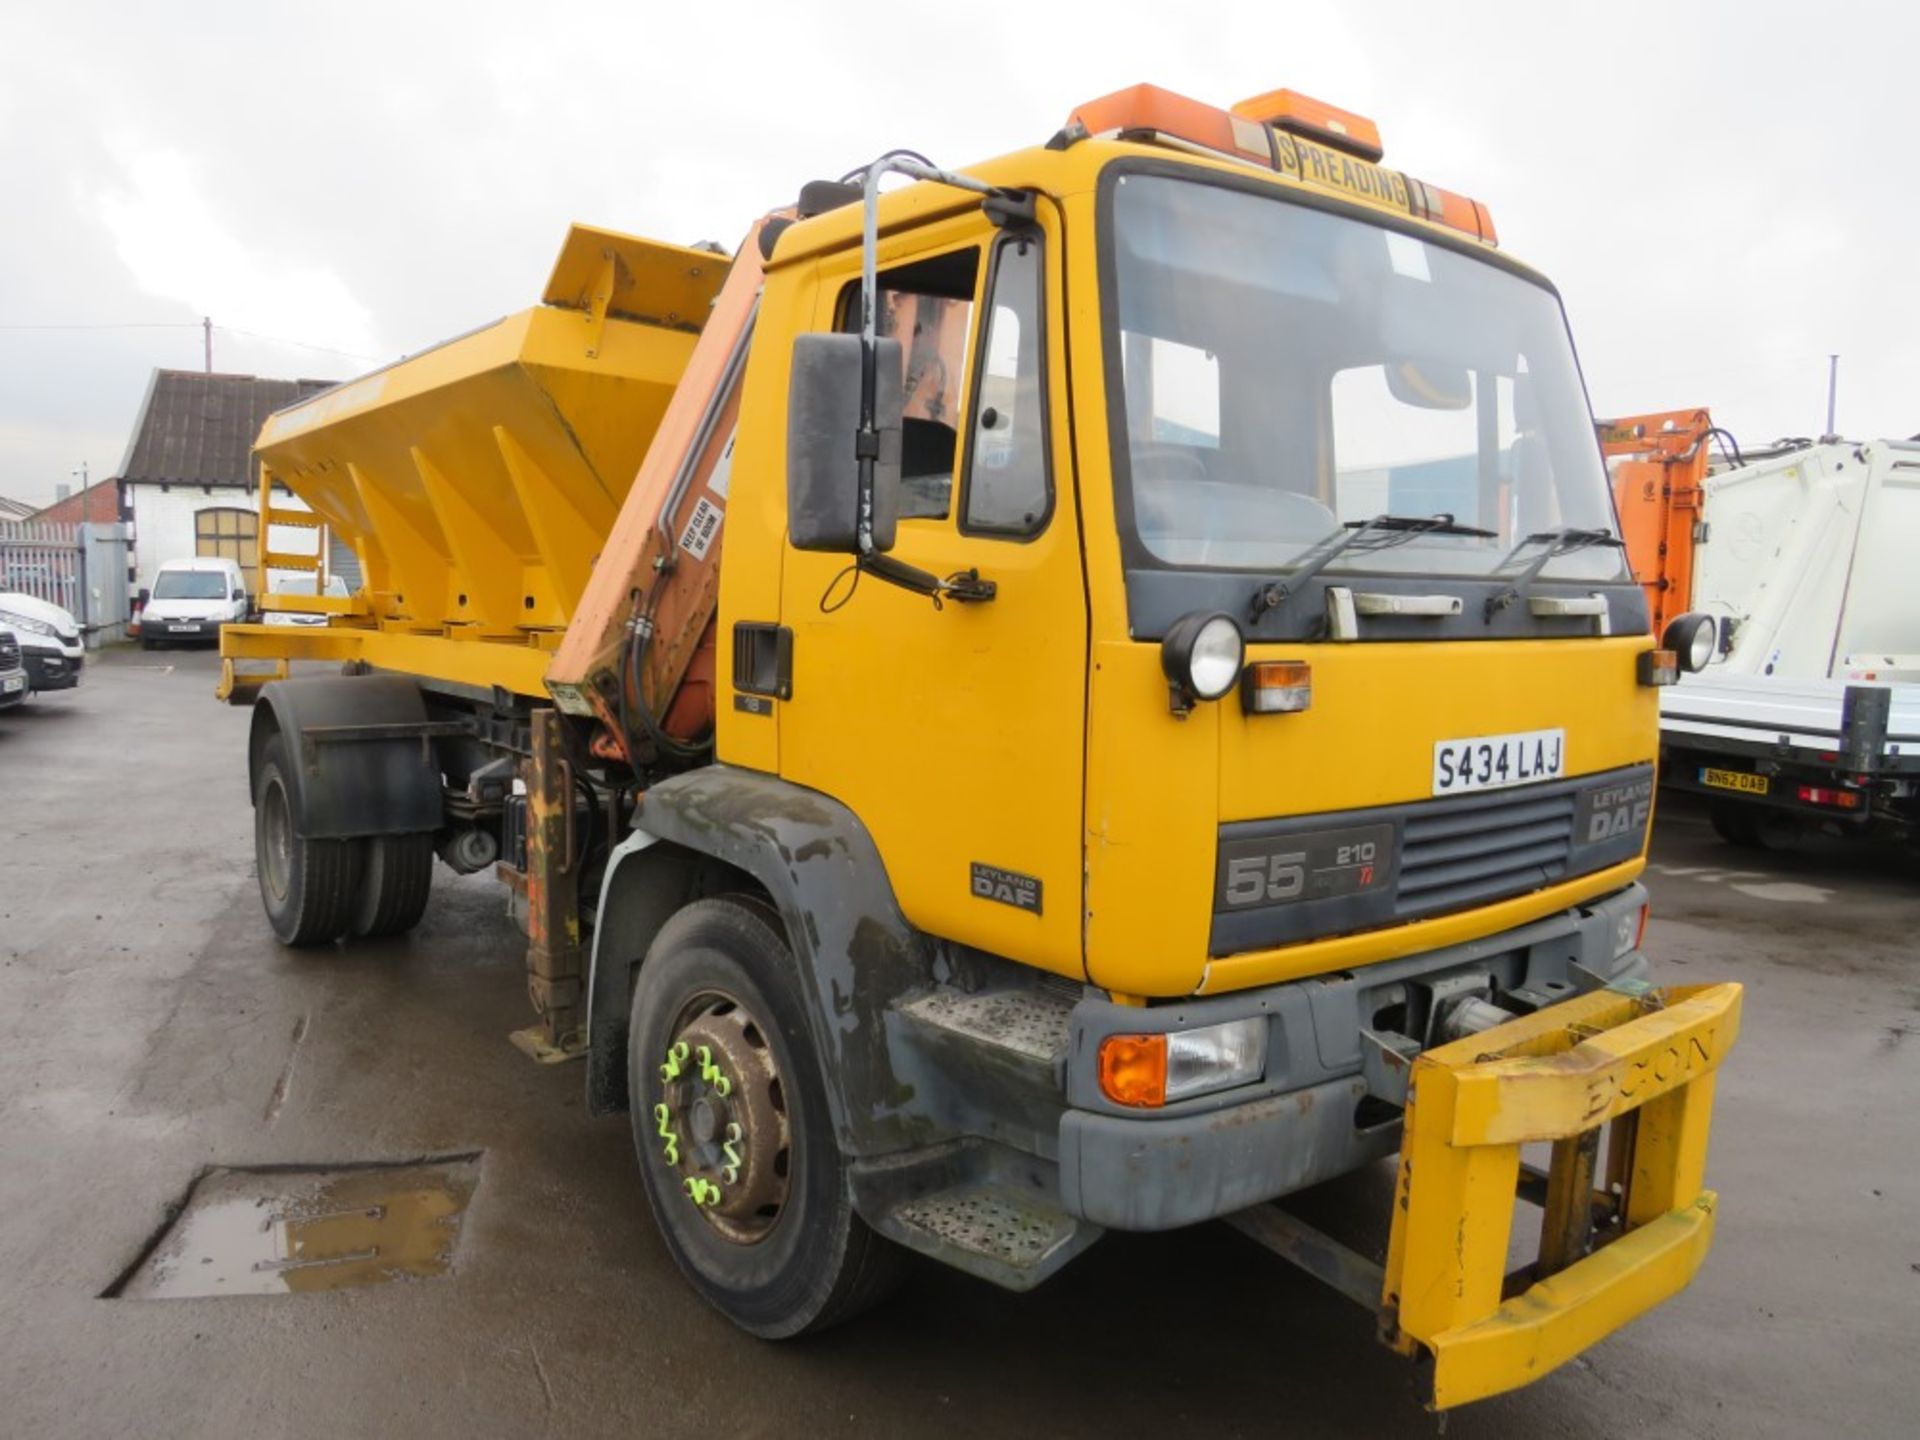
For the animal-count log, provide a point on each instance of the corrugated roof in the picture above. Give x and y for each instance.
(199, 429)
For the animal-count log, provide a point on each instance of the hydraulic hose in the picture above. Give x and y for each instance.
(634, 655)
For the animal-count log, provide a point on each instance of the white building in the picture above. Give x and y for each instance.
(188, 484)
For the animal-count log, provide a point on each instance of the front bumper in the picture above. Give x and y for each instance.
(1639, 1066)
(51, 669)
(1325, 1106)
(11, 694)
(1134, 1175)
(1616, 1078)
(180, 629)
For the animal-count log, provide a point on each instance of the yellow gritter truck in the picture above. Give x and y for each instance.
(1094, 692)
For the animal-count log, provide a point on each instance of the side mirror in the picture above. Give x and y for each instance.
(823, 426)
(238, 595)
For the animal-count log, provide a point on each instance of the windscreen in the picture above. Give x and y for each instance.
(1288, 371)
(190, 585)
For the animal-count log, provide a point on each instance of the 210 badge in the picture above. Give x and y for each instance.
(1313, 866)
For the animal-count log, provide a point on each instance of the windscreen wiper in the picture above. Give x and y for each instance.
(1553, 544)
(1382, 532)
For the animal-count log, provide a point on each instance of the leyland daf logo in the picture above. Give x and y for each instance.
(1006, 887)
(1608, 811)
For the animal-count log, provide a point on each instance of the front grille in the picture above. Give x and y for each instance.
(1471, 848)
(9, 653)
(1436, 857)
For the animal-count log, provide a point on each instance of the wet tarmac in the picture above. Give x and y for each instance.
(152, 1033)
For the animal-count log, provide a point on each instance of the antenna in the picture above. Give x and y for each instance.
(1833, 387)
(206, 324)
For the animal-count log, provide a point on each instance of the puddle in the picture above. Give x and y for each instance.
(291, 1231)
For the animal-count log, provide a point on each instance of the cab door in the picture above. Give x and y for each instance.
(956, 732)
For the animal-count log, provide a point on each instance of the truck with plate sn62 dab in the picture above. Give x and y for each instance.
(1092, 692)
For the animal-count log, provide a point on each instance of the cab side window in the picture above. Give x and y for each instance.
(1007, 485)
(928, 307)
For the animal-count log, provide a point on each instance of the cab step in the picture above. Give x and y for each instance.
(991, 1230)
(1028, 1023)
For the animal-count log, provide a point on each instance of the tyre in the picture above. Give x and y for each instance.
(1734, 824)
(1753, 828)
(734, 1136)
(307, 886)
(396, 876)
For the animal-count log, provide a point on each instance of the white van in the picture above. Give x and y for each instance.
(192, 599)
(49, 639)
(13, 674)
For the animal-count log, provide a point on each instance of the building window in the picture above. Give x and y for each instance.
(232, 534)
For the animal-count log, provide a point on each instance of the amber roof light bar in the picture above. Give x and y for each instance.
(1302, 138)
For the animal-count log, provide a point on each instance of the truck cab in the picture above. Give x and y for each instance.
(1266, 378)
(1284, 715)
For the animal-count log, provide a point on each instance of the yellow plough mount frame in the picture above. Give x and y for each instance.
(1634, 1063)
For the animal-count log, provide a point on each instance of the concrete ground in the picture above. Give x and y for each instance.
(149, 1026)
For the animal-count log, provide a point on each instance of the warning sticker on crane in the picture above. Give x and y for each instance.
(697, 538)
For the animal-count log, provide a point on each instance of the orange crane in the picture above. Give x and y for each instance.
(1656, 463)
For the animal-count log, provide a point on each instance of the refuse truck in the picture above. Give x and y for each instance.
(1095, 691)
(1806, 714)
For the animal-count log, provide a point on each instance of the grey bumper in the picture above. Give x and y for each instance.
(1159, 1174)
(1303, 1122)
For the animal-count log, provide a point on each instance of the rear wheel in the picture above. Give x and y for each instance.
(1734, 824)
(307, 886)
(733, 1131)
(1753, 828)
(396, 876)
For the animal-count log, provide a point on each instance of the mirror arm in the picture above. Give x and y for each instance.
(867, 441)
(963, 586)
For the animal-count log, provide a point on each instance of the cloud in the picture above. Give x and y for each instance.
(373, 177)
(176, 248)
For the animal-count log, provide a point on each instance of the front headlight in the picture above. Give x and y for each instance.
(1202, 654)
(1152, 1070)
(26, 622)
(1692, 637)
(1217, 1057)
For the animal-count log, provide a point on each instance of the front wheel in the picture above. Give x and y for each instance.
(733, 1131)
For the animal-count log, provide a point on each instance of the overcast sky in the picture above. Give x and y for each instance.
(1723, 192)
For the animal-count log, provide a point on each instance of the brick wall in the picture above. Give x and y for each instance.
(98, 504)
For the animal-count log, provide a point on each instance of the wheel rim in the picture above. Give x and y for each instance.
(276, 837)
(722, 1126)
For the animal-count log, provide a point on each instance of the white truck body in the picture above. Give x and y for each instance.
(1810, 561)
